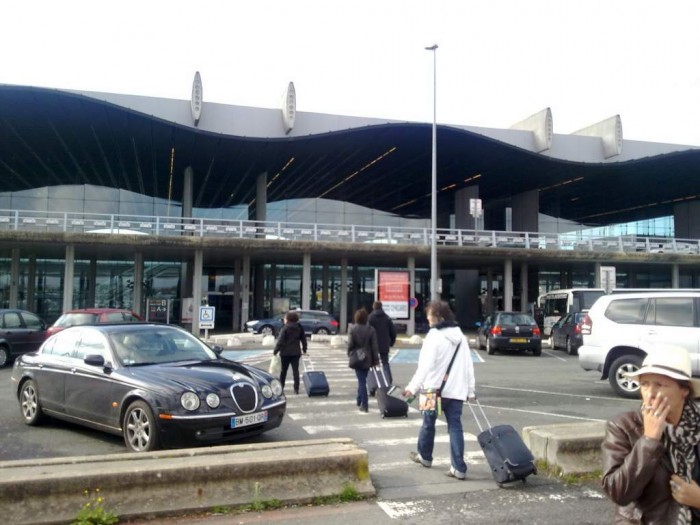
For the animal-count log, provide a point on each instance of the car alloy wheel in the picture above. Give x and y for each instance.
(29, 404)
(140, 431)
(3, 356)
(322, 331)
(624, 386)
(267, 330)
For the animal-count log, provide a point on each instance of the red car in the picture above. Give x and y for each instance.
(89, 316)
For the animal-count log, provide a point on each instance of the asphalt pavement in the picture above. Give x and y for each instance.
(518, 389)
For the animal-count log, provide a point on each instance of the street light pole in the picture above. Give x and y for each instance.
(434, 294)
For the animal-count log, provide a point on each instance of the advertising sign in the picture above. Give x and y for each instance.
(394, 292)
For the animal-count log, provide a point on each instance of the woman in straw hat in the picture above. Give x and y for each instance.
(650, 456)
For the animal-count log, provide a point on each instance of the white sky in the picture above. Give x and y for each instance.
(498, 61)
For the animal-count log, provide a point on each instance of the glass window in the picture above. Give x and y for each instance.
(91, 343)
(31, 320)
(62, 343)
(12, 320)
(627, 311)
(676, 311)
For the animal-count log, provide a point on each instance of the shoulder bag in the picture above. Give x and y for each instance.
(429, 399)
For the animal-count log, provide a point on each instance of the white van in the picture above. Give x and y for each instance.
(619, 330)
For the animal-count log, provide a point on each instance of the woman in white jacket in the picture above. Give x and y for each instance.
(444, 338)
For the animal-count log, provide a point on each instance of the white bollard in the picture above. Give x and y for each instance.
(268, 340)
(233, 341)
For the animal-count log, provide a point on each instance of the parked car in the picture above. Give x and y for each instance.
(88, 316)
(566, 333)
(156, 385)
(509, 331)
(619, 330)
(20, 332)
(313, 322)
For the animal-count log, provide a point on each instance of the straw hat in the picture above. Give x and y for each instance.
(670, 361)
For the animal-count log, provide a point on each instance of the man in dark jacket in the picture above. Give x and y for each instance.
(290, 343)
(386, 336)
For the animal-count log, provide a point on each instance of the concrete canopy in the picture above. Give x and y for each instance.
(51, 137)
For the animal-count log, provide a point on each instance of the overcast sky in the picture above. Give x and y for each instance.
(498, 61)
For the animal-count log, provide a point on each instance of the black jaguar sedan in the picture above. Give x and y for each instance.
(156, 385)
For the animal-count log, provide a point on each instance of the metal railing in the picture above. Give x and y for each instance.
(43, 221)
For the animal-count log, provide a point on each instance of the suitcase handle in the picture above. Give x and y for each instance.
(303, 362)
(476, 418)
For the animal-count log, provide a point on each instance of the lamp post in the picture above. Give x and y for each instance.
(434, 294)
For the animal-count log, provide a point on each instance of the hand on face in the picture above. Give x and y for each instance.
(654, 415)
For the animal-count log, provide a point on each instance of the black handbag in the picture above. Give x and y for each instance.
(358, 359)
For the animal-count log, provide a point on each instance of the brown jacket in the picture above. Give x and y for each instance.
(636, 473)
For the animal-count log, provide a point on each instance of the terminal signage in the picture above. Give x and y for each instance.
(394, 292)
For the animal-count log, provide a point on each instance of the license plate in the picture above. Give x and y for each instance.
(249, 419)
(518, 340)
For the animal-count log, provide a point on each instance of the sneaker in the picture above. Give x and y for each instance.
(416, 457)
(364, 409)
(452, 473)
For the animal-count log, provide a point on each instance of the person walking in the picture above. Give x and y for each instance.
(443, 343)
(386, 337)
(651, 467)
(363, 336)
(290, 343)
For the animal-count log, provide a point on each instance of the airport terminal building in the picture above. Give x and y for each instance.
(131, 201)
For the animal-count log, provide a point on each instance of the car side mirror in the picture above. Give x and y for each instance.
(94, 360)
(217, 349)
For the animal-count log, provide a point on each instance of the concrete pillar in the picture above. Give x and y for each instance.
(14, 278)
(508, 285)
(355, 299)
(324, 288)
(68, 278)
(306, 282)
(525, 211)
(489, 291)
(138, 284)
(343, 296)
(596, 275)
(259, 291)
(411, 265)
(92, 283)
(675, 276)
(524, 291)
(197, 270)
(261, 197)
(31, 284)
(187, 192)
(237, 326)
(245, 291)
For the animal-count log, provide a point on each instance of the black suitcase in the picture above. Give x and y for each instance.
(389, 405)
(506, 453)
(315, 383)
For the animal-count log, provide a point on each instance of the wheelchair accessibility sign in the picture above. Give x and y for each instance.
(206, 316)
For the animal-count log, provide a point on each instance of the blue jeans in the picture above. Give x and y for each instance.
(362, 397)
(452, 408)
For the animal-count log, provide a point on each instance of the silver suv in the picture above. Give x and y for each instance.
(619, 330)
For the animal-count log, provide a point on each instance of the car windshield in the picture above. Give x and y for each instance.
(157, 346)
(519, 319)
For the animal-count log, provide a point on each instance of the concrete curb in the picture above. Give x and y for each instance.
(51, 491)
(573, 447)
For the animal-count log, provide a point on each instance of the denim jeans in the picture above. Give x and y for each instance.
(452, 409)
(362, 397)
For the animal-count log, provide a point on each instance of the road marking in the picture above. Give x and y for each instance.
(390, 421)
(552, 414)
(385, 424)
(556, 393)
(411, 440)
(550, 354)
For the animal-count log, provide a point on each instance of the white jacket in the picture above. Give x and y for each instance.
(435, 355)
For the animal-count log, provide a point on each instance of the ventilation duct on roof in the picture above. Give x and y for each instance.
(610, 133)
(540, 124)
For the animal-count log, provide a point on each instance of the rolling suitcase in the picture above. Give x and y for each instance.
(506, 453)
(389, 405)
(315, 382)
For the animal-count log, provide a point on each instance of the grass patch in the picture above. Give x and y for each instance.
(347, 495)
(553, 471)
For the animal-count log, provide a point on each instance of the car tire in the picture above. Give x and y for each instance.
(29, 404)
(569, 347)
(489, 349)
(267, 330)
(479, 344)
(622, 386)
(322, 331)
(4, 356)
(537, 351)
(139, 428)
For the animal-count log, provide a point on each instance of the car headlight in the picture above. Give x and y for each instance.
(266, 391)
(276, 387)
(189, 401)
(213, 400)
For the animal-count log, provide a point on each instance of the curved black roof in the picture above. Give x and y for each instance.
(50, 137)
